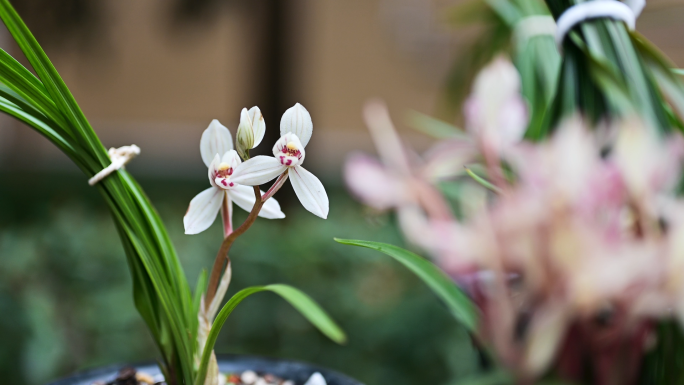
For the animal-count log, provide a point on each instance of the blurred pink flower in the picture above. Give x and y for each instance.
(396, 181)
(577, 256)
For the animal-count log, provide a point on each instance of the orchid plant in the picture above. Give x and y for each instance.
(184, 323)
(563, 256)
(230, 181)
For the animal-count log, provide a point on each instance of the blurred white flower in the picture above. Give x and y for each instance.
(648, 163)
(217, 152)
(495, 111)
(296, 129)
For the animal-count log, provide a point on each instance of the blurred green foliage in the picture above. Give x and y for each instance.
(66, 302)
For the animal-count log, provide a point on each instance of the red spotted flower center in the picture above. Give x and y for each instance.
(223, 174)
(290, 154)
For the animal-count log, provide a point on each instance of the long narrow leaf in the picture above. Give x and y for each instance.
(160, 289)
(300, 301)
(7, 106)
(458, 303)
(53, 83)
(24, 83)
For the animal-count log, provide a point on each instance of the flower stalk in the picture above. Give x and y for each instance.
(222, 256)
(276, 186)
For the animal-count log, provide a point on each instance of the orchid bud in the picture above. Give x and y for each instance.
(250, 131)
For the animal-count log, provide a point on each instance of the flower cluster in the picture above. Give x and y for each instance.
(571, 248)
(230, 177)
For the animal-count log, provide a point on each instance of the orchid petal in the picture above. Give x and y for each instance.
(385, 137)
(310, 191)
(297, 120)
(231, 158)
(271, 209)
(547, 331)
(257, 170)
(243, 196)
(202, 210)
(447, 159)
(373, 184)
(258, 125)
(216, 139)
(495, 111)
(213, 169)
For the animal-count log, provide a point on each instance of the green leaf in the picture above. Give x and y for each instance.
(300, 301)
(663, 363)
(310, 310)
(670, 85)
(444, 287)
(34, 119)
(26, 85)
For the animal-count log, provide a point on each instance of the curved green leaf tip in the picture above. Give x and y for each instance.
(444, 287)
(310, 310)
(300, 301)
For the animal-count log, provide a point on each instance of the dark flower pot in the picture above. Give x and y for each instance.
(298, 372)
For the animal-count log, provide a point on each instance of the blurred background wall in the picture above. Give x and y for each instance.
(154, 73)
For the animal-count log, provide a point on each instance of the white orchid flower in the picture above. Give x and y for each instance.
(250, 131)
(218, 155)
(296, 129)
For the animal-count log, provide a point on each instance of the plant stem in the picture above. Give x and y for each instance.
(222, 256)
(276, 186)
(482, 181)
(493, 165)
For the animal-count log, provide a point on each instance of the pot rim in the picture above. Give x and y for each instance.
(301, 370)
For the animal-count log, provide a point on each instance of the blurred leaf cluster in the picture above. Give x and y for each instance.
(505, 27)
